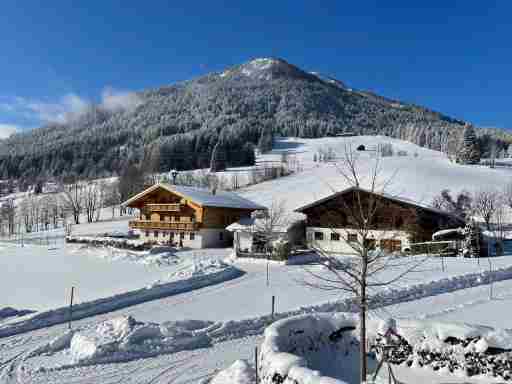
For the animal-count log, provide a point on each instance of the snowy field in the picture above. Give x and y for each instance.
(418, 178)
(38, 277)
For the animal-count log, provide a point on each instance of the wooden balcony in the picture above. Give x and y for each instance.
(158, 225)
(164, 207)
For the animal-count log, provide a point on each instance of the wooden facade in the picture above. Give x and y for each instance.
(168, 216)
(400, 220)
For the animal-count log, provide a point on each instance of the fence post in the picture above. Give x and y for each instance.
(256, 364)
(71, 307)
(273, 306)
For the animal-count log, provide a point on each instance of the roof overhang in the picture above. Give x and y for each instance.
(149, 190)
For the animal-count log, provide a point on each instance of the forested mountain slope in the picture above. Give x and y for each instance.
(178, 126)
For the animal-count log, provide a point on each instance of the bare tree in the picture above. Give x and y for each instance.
(73, 199)
(459, 205)
(112, 197)
(91, 199)
(485, 203)
(507, 194)
(359, 215)
(269, 223)
(8, 214)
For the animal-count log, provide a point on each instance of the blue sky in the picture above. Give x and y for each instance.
(452, 56)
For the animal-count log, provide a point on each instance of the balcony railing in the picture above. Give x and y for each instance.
(164, 207)
(153, 225)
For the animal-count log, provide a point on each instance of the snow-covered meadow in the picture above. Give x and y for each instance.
(237, 310)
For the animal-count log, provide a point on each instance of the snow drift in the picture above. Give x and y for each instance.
(240, 372)
(124, 338)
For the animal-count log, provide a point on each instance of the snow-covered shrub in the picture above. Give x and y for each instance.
(302, 349)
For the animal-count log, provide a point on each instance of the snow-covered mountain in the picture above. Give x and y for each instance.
(184, 121)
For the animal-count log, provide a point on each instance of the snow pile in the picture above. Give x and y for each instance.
(158, 256)
(124, 338)
(302, 349)
(459, 349)
(99, 241)
(240, 372)
(57, 344)
(194, 268)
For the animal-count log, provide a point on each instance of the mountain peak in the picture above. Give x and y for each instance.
(265, 68)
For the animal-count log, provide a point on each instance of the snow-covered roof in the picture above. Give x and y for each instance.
(202, 197)
(450, 231)
(252, 224)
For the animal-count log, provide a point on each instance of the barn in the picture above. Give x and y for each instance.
(338, 223)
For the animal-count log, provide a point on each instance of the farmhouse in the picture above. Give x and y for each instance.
(333, 224)
(187, 216)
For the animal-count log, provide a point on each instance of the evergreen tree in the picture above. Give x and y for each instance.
(471, 243)
(469, 152)
(265, 142)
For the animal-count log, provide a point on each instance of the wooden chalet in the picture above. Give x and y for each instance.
(332, 222)
(187, 216)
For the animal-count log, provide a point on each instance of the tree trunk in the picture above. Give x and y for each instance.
(362, 334)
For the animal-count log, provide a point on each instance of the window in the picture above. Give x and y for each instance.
(192, 235)
(156, 234)
(391, 245)
(335, 236)
(182, 235)
(171, 234)
(221, 236)
(352, 238)
(319, 236)
(147, 233)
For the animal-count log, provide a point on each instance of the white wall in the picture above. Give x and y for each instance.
(342, 246)
(211, 238)
(196, 243)
(242, 241)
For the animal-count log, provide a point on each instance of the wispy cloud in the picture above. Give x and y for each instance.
(67, 107)
(7, 130)
(116, 100)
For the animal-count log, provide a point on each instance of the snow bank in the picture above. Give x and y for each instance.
(160, 289)
(124, 338)
(301, 349)
(98, 241)
(388, 296)
(193, 268)
(240, 372)
(423, 331)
